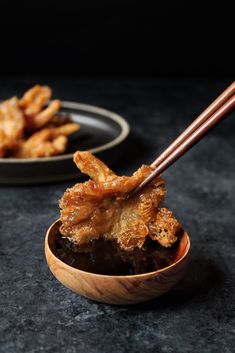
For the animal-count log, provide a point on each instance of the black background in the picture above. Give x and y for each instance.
(117, 37)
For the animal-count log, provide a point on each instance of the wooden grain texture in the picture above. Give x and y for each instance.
(117, 289)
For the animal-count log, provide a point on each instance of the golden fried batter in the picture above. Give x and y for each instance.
(32, 104)
(164, 228)
(99, 207)
(8, 146)
(47, 142)
(12, 125)
(34, 100)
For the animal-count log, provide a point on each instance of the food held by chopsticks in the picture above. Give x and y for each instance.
(99, 208)
(128, 208)
(31, 128)
(123, 216)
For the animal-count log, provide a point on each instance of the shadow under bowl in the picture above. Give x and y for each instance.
(119, 290)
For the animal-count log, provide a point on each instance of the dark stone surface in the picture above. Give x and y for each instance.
(39, 315)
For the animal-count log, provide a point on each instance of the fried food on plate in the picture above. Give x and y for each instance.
(34, 100)
(99, 207)
(7, 145)
(33, 103)
(29, 128)
(47, 142)
(12, 125)
(45, 116)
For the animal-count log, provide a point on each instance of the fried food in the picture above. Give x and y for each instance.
(30, 129)
(164, 228)
(47, 142)
(44, 117)
(11, 118)
(99, 207)
(32, 104)
(12, 125)
(34, 100)
(7, 145)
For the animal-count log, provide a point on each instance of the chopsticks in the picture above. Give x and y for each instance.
(218, 110)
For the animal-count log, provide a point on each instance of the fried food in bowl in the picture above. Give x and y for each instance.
(113, 248)
(100, 208)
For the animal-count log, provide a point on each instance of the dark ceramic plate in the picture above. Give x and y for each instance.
(102, 133)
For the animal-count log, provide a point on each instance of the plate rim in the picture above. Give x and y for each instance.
(125, 130)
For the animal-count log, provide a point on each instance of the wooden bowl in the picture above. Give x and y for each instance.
(117, 289)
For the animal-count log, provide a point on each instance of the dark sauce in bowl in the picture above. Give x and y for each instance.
(106, 258)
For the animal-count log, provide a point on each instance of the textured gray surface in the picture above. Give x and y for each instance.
(39, 315)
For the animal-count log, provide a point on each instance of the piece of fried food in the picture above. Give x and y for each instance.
(33, 102)
(164, 228)
(12, 125)
(8, 146)
(34, 99)
(47, 142)
(99, 207)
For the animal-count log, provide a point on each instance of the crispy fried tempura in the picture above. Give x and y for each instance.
(34, 100)
(44, 117)
(164, 228)
(12, 124)
(99, 207)
(8, 146)
(32, 104)
(47, 142)
(11, 118)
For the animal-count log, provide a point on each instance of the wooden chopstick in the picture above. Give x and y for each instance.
(186, 143)
(216, 104)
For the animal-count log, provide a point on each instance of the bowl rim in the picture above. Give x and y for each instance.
(47, 247)
(125, 129)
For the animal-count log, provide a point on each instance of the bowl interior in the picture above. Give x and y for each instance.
(182, 250)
